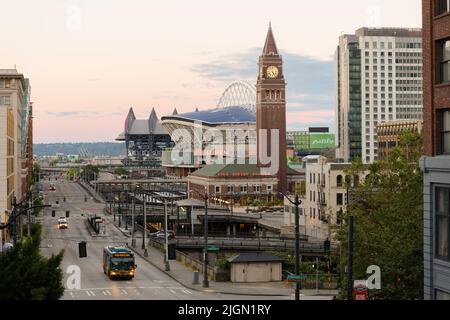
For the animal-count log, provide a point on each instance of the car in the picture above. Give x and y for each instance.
(52, 187)
(62, 223)
(162, 235)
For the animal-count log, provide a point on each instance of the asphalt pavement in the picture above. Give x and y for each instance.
(150, 283)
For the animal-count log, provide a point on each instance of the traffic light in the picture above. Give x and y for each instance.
(82, 249)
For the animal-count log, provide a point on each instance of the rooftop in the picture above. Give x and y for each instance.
(255, 257)
(217, 116)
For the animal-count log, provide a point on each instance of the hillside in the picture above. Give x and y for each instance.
(91, 149)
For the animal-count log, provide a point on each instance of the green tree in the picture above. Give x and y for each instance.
(73, 173)
(90, 172)
(120, 171)
(388, 220)
(27, 275)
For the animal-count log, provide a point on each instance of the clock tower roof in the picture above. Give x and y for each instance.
(270, 47)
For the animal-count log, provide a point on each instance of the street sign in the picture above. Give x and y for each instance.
(294, 278)
(213, 248)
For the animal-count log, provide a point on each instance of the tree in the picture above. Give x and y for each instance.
(90, 172)
(388, 220)
(120, 171)
(27, 275)
(73, 173)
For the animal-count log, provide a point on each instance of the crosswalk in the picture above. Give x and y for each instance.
(124, 292)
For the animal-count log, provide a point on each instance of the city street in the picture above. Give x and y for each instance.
(149, 283)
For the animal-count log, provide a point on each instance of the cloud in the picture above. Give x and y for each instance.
(72, 114)
(309, 80)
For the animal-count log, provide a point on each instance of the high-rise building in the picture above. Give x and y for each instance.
(378, 78)
(436, 164)
(271, 106)
(14, 123)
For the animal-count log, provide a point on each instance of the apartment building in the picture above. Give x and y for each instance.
(14, 123)
(436, 162)
(325, 198)
(378, 78)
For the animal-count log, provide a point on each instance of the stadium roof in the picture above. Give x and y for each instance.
(217, 116)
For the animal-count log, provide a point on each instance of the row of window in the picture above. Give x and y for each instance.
(242, 189)
(444, 66)
(443, 6)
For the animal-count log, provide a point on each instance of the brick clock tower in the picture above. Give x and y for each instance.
(271, 104)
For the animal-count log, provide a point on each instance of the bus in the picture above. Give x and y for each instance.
(118, 262)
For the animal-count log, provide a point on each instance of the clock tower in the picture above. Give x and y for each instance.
(271, 108)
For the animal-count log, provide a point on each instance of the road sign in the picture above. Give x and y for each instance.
(294, 278)
(213, 248)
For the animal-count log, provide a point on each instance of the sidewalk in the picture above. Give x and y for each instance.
(184, 275)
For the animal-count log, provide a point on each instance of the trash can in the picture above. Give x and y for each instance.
(172, 252)
(196, 279)
(82, 249)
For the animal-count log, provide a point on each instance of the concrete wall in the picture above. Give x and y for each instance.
(256, 272)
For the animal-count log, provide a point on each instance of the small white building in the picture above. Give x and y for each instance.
(256, 267)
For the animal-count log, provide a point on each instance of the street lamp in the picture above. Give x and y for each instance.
(297, 202)
(145, 226)
(166, 236)
(205, 227)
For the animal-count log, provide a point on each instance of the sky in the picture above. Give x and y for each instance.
(89, 61)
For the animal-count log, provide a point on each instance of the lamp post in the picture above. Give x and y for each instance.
(133, 234)
(205, 277)
(145, 227)
(166, 236)
(205, 227)
(297, 202)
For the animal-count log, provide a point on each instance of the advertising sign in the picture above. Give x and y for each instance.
(321, 141)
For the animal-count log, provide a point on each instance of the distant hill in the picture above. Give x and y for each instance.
(92, 149)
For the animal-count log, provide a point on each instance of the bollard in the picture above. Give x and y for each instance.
(196, 279)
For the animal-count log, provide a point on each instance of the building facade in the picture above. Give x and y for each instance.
(436, 162)
(15, 127)
(389, 133)
(325, 198)
(378, 78)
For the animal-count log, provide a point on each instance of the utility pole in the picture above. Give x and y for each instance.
(30, 204)
(13, 217)
(297, 246)
(317, 275)
(133, 234)
(166, 236)
(205, 277)
(145, 227)
(350, 260)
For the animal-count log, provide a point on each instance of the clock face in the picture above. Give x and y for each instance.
(272, 72)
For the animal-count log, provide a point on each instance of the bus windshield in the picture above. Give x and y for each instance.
(122, 263)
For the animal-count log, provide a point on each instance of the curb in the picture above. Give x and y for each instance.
(212, 291)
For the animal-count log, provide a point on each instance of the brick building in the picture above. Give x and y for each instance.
(436, 162)
(388, 134)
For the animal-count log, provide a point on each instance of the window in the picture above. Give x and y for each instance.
(5, 100)
(269, 189)
(339, 199)
(218, 189)
(445, 61)
(444, 6)
(257, 188)
(243, 188)
(339, 181)
(442, 223)
(230, 189)
(442, 296)
(445, 137)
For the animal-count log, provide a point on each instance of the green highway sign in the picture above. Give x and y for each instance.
(213, 248)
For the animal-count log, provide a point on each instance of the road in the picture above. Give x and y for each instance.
(149, 283)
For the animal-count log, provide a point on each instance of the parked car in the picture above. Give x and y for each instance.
(162, 235)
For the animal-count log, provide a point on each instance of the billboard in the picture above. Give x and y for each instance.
(321, 141)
